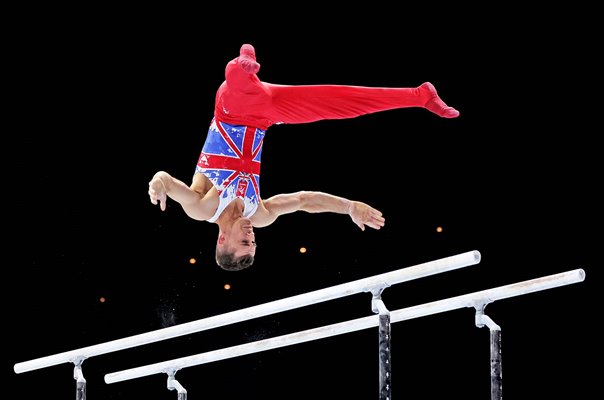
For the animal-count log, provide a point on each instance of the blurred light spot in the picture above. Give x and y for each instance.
(439, 229)
(302, 249)
(102, 299)
(192, 260)
(227, 286)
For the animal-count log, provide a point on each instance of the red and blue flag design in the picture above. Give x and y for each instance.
(230, 159)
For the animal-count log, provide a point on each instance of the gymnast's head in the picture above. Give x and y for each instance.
(236, 246)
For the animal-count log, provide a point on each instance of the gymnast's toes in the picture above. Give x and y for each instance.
(248, 50)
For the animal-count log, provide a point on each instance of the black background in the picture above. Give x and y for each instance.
(102, 99)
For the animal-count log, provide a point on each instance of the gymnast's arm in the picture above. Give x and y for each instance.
(192, 198)
(317, 202)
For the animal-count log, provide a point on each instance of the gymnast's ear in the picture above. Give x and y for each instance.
(221, 238)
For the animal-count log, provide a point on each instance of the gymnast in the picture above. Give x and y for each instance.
(225, 188)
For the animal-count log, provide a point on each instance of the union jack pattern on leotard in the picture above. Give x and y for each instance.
(230, 159)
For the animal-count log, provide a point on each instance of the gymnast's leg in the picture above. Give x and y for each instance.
(309, 103)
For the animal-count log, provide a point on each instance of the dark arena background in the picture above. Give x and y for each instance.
(100, 101)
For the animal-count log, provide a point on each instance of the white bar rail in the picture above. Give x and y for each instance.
(476, 299)
(330, 293)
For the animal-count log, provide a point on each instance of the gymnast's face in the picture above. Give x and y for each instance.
(242, 240)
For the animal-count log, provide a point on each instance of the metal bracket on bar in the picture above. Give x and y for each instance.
(78, 375)
(377, 305)
(173, 384)
(481, 319)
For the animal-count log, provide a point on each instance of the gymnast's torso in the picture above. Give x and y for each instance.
(230, 159)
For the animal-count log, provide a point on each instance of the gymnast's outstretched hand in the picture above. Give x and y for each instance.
(158, 192)
(363, 214)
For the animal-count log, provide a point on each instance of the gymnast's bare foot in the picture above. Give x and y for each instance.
(247, 59)
(434, 103)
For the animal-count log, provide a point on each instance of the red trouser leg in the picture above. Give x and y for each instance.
(309, 103)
